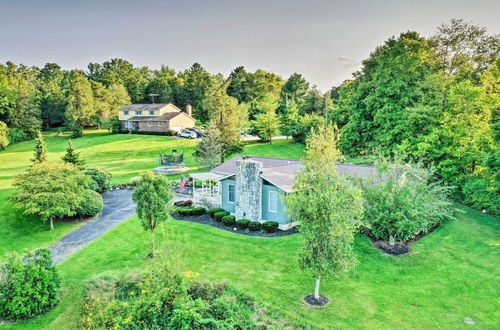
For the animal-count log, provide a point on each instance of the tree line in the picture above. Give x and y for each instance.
(432, 99)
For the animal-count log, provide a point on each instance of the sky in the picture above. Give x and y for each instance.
(324, 40)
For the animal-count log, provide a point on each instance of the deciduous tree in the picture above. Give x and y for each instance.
(328, 208)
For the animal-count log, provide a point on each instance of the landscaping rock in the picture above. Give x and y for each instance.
(184, 203)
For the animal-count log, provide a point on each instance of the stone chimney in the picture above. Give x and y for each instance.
(189, 110)
(248, 189)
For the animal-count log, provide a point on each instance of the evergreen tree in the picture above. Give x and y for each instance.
(40, 149)
(72, 157)
(289, 119)
(266, 123)
(209, 150)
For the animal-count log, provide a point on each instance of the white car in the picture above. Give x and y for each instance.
(187, 134)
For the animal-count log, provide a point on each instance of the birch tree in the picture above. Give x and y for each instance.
(327, 207)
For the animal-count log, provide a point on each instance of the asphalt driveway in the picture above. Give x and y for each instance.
(118, 206)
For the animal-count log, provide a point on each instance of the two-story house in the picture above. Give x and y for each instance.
(155, 117)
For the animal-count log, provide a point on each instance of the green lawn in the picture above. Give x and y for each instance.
(451, 274)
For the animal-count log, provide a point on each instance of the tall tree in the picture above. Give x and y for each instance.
(266, 122)
(152, 197)
(209, 150)
(73, 157)
(52, 96)
(40, 155)
(239, 86)
(4, 135)
(296, 88)
(327, 207)
(81, 105)
(465, 50)
(289, 119)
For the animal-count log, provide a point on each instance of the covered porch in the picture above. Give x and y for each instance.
(206, 189)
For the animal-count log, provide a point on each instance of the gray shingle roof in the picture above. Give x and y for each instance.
(281, 172)
(165, 117)
(143, 107)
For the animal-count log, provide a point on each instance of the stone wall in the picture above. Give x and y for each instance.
(248, 189)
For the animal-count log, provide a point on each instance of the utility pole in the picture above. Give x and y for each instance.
(153, 97)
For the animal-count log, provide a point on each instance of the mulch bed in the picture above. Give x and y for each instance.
(399, 248)
(207, 220)
(311, 301)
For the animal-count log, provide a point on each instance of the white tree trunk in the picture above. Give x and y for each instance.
(391, 240)
(316, 288)
(51, 225)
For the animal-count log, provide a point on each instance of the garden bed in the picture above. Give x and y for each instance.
(399, 248)
(207, 220)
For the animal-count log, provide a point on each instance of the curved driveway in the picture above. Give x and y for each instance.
(118, 206)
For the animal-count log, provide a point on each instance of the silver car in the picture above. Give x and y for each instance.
(187, 134)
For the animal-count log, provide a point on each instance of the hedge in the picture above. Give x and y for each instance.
(190, 211)
(270, 226)
(219, 215)
(213, 211)
(242, 224)
(162, 133)
(229, 220)
(254, 226)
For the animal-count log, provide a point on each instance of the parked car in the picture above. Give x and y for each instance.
(187, 134)
(198, 132)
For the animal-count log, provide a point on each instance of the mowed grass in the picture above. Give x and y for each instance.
(123, 155)
(450, 275)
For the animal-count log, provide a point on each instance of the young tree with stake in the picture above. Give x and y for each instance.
(152, 196)
(327, 207)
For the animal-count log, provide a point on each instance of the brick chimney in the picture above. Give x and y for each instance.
(189, 110)
(248, 189)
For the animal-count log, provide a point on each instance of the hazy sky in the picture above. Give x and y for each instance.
(323, 40)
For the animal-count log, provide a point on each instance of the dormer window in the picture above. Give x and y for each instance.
(152, 113)
(125, 113)
(138, 113)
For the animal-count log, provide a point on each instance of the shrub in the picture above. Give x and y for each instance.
(16, 135)
(183, 210)
(198, 211)
(229, 220)
(134, 181)
(482, 194)
(91, 205)
(242, 224)
(213, 211)
(401, 202)
(161, 299)
(254, 226)
(29, 288)
(270, 226)
(100, 179)
(113, 125)
(219, 215)
(4, 135)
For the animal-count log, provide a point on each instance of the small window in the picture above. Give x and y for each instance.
(152, 113)
(138, 112)
(125, 113)
(273, 201)
(160, 123)
(230, 194)
(149, 123)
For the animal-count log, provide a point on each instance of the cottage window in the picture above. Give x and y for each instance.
(273, 201)
(149, 123)
(138, 112)
(160, 123)
(152, 113)
(125, 113)
(230, 194)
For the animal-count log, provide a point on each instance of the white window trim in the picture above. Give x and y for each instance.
(125, 113)
(228, 194)
(152, 113)
(275, 193)
(149, 123)
(138, 113)
(160, 123)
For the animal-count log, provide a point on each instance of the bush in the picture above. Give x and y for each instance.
(242, 224)
(213, 211)
(198, 211)
(4, 135)
(134, 181)
(254, 226)
(229, 220)
(482, 194)
(168, 132)
(100, 179)
(91, 205)
(16, 135)
(401, 202)
(270, 226)
(160, 299)
(183, 210)
(29, 288)
(219, 215)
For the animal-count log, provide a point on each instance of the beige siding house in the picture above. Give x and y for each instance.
(155, 117)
